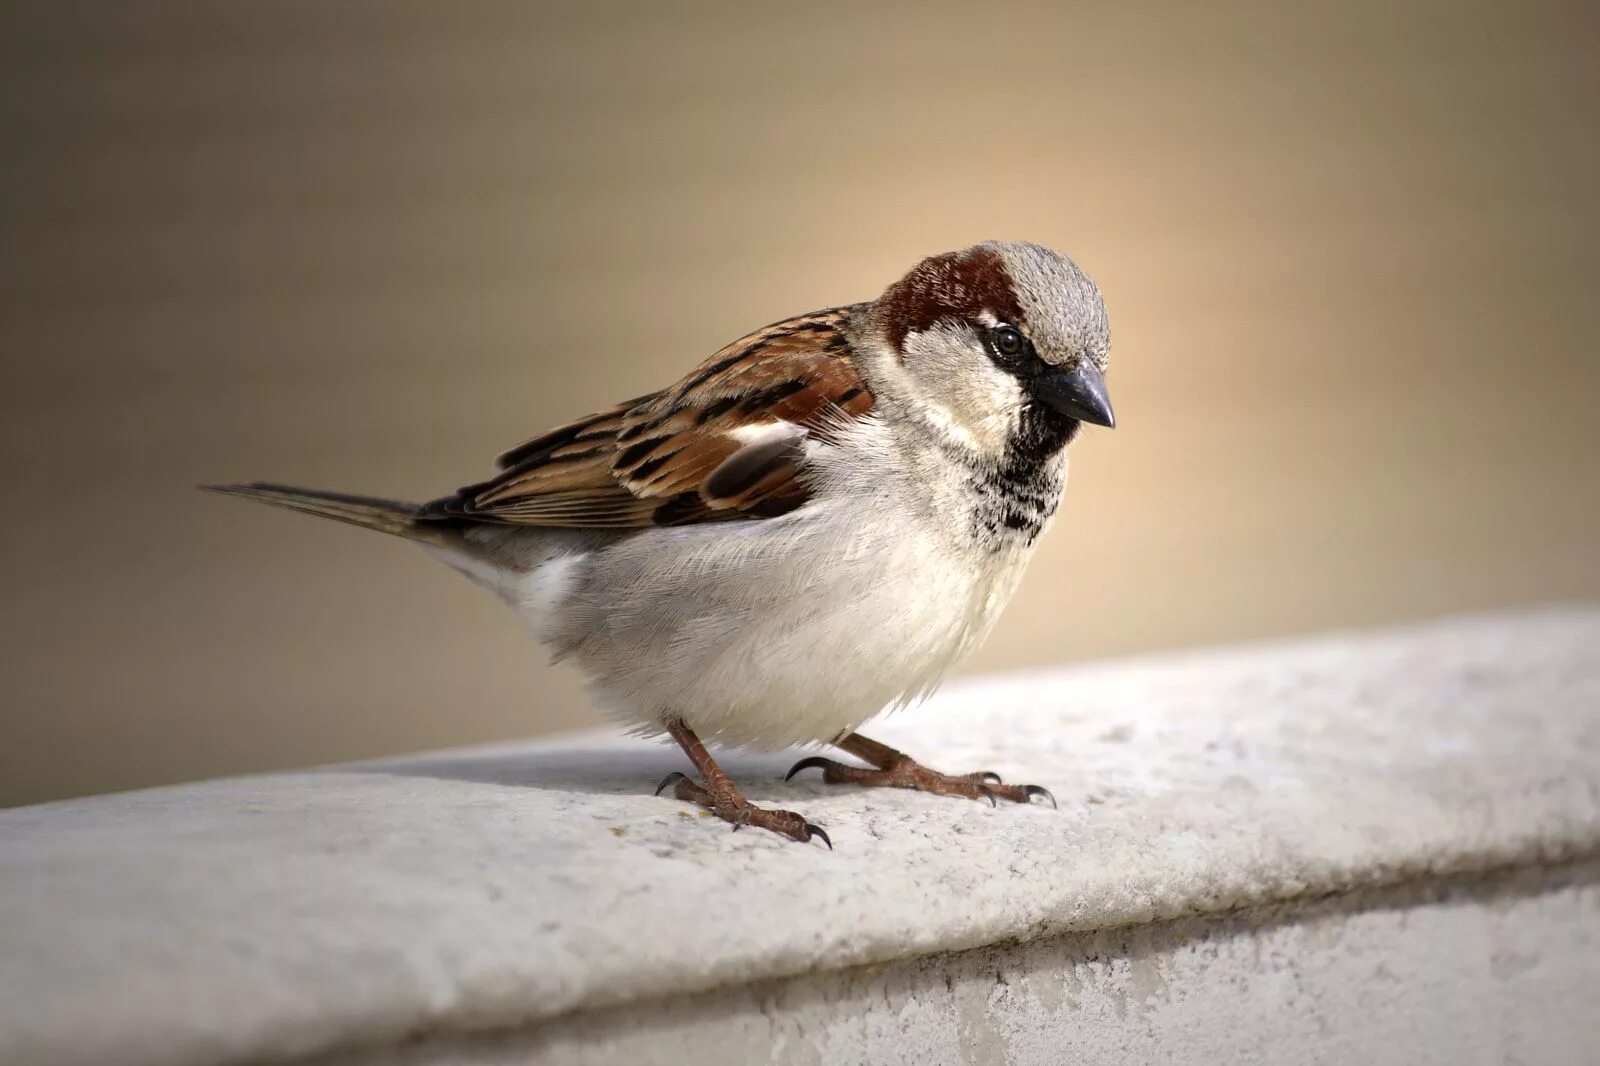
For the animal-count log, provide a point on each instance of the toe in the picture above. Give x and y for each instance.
(809, 763)
(1036, 790)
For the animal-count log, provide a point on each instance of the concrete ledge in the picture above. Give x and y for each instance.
(1312, 816)
(1496, 970)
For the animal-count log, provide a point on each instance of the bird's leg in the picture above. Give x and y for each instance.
(715, 792)
(896, 769)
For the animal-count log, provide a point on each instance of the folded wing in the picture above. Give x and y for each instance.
(726, 442)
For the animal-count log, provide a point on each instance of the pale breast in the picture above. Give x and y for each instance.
(789, 630)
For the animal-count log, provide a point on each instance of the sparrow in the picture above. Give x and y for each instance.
(810, 528)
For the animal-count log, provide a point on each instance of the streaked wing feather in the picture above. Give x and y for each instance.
(679, 456)
(583, 433)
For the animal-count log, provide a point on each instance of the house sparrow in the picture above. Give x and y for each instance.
(814, 525)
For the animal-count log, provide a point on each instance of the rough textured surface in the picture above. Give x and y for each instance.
(298, 914)
(1490, 972)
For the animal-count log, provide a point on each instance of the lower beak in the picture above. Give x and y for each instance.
(1079, 393)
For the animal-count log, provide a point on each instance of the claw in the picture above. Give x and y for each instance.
(989, 776)
(816, 831)
(1035, 790)
(671, 778)
(807, 763)
(988, 794)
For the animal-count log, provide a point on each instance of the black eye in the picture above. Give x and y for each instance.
(1008, 342)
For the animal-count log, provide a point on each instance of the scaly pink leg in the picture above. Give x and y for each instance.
(895, 769)
(716, 793)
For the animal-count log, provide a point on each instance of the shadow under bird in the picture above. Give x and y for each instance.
(813, 526)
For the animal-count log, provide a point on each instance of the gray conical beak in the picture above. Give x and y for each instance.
(1077, 393)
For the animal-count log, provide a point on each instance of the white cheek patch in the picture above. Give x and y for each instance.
(968, 398)
(1005, 392)
(937, 353)
(946, 423)
(999, 413)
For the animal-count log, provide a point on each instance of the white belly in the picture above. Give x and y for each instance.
(781, 631)
(767, 634)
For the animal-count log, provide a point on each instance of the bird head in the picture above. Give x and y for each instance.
(992, 346)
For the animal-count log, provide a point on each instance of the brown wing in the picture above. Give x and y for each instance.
(725, 442)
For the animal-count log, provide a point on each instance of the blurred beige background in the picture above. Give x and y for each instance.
(1350, 253)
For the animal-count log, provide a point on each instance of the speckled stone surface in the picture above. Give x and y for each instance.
(1464, 972)
(411, 903)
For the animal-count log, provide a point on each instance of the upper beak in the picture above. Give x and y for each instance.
(1079, 393)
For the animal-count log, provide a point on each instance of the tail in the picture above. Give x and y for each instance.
(385, 516)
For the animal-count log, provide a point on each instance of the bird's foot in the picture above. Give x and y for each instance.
(727, 804)
(894, 769)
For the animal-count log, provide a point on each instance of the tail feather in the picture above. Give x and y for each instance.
(385, 516)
